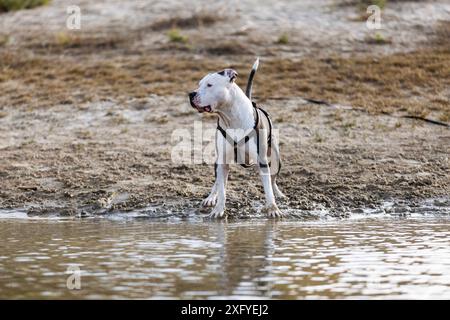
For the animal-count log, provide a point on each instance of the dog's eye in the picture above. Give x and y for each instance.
(209, 85)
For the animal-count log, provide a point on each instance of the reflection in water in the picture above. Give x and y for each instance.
(245, 262)
(390, 258)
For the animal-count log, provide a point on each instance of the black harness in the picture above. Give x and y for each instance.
(245, 139)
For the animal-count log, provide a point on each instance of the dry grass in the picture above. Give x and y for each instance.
(283, 39)
(157, 119)
(175, 35)
(4, 39)
(77, 43)
(415, 82)
(411, 82)
(227, 48)
(445, 116)
(362, 4)
(378, 39)
(442, 35)
(200, 19)
(13, 5)
(400, 82)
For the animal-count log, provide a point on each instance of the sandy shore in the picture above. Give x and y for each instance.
(87, 119)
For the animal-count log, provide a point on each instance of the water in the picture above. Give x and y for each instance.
(144, 258)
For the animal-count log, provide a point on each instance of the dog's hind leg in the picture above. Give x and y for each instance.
(271, 208)
(266, 177)
(275, 170)
(211, 200)
(276, 191)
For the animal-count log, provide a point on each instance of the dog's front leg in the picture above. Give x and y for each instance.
(221, 180)
(210, 201)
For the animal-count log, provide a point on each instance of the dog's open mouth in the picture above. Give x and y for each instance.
(203, 109)
(200, 109)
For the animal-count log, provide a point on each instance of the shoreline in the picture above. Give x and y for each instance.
(435, 207)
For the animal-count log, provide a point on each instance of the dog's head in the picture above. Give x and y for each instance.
(213, 91)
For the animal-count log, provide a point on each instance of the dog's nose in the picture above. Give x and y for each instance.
(192, 95)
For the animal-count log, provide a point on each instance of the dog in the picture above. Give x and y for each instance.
(244, 136)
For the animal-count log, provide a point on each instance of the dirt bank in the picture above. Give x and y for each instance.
(101, 157)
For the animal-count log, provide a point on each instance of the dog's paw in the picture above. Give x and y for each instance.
(210, 201)
(217, 212)
(272, 211)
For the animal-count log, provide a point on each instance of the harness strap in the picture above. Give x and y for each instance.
(246, 138)
(269, 137)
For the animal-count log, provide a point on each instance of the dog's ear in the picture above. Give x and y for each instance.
(230, 73)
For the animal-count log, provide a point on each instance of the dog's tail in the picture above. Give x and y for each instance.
(248, 91)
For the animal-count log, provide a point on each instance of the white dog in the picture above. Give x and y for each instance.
(244, 136)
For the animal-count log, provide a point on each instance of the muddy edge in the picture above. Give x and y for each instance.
(87, 117)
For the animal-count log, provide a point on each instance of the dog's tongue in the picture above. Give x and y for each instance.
(207, 109)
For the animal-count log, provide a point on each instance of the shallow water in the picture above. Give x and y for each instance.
(145, 258)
